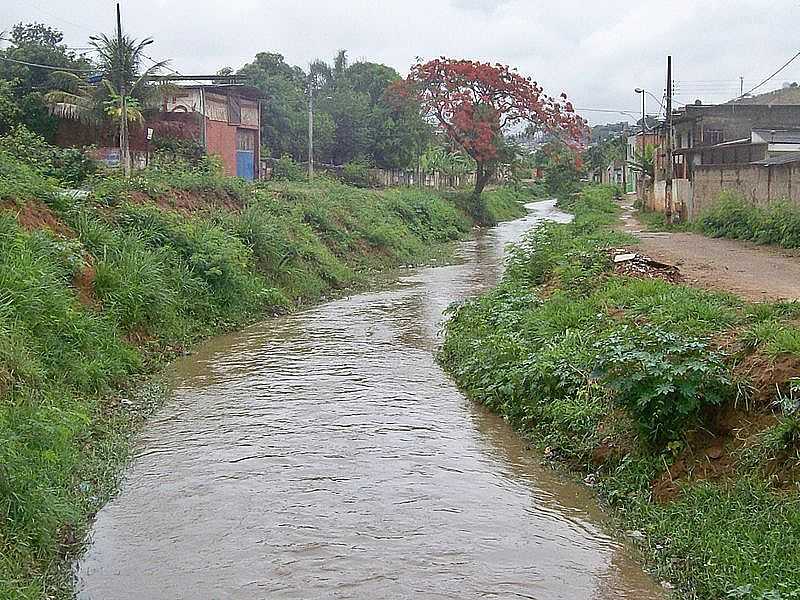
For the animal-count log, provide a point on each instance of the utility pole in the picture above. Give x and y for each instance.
(741, 87)
(310, 125)
(668, 207)
(124, 141)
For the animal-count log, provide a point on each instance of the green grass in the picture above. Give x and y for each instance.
(83, 317)
(581, 361)
(733, 217)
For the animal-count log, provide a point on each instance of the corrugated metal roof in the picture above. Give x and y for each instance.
(788, 158)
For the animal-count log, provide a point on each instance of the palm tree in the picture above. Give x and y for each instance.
(124, 89)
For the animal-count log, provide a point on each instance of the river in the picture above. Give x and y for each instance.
(325, 454)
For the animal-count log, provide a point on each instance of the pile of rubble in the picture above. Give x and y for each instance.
(641, 266)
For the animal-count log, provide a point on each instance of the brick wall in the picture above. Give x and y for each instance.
(758, 184)
(221, 141)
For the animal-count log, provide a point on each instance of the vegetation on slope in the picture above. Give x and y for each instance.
(96, 290)
(680, 405)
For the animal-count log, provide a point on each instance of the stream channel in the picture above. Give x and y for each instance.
(324, 454)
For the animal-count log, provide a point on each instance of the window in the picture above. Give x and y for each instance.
(712, 136)
(234, 110)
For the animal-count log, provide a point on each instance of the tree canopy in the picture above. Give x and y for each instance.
(354, 119)
(25, 85)
(475, 102)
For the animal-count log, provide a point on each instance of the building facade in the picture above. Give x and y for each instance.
(225, 119)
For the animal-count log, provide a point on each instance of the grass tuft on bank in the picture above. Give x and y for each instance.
(679, 404)
(96, 291)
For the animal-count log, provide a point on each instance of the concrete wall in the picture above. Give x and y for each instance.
(758, 184)
(682, 196)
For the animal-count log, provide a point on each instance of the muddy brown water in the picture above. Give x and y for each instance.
(325, 454)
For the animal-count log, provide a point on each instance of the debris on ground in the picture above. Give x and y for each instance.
(633, 264)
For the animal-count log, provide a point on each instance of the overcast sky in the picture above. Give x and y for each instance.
(597, 52)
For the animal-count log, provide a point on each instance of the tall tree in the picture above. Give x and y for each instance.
(36, 44)
(284, 109)
(474, 102)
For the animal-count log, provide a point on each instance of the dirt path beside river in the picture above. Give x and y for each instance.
(756, 273)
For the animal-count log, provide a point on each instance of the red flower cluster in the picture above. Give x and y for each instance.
(474, 101)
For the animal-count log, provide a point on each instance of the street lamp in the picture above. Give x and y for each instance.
(644, 117)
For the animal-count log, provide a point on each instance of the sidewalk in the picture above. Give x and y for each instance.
(756, 273)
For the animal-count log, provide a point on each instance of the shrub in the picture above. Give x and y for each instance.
(664, 380)
(69, 165)
(20, 181)
(356, 173)
(286, 169)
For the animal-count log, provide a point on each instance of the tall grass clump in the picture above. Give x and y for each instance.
(733, 217)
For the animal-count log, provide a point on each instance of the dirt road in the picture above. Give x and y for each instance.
(756, 273)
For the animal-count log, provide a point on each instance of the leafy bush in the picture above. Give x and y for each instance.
(356, 173)
(204, 175)
(169, 149)
(286, 169)
(69, 165)
(664, 380)
(19, 181)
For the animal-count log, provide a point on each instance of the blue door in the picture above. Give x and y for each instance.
(245, 164)
(246, 153)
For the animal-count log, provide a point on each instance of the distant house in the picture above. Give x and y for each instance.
(709, 139)
(225, 119)
(636, 146)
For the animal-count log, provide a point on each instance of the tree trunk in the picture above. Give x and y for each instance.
(482, 177)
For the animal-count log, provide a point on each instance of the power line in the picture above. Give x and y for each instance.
(51, 67)
(607, 110)
(786, 64)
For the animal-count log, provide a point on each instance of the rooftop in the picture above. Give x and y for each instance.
(788, 158)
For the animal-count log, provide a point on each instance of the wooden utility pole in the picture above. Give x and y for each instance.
(668, 206)
(124, 140)
(310, 122)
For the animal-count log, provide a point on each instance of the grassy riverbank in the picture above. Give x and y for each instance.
(95, 292)
(680, 405)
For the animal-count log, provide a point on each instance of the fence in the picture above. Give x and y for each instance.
(400, 177)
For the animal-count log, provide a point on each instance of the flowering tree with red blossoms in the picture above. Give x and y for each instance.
(473, 102)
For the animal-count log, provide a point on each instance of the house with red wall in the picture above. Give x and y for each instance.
(225, 119)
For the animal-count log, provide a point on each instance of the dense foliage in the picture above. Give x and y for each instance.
(354, 119)
(68, 165)
(22, 87)
(627, 381)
